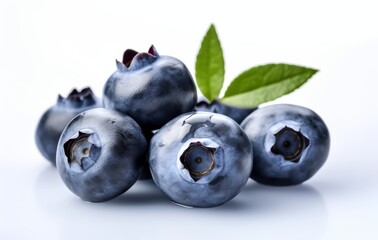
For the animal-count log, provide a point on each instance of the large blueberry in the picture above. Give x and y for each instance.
(200, 159)
(53, 120)
(100, 154)
(215, 106)
(152, 89)
(290, 143)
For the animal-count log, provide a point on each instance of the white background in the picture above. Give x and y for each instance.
(49, 47)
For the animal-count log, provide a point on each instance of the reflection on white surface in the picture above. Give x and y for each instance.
(145, 213)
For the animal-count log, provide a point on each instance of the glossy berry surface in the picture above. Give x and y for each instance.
(53, 121)
(100, 154)
(290, 144)
(236, 113)
(152, 89)
(200, 159)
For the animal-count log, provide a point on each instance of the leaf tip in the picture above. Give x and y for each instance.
(313, 71)
(212, 29)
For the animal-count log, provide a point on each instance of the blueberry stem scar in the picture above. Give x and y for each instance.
(80, 147)
(290, 144)
(198, 159)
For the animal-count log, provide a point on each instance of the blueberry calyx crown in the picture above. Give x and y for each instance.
(76, 98)
(290, 144)
(132, 60)
(198, 160)
(83, 149)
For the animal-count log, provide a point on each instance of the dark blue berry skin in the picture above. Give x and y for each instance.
(152, 89)
(100, 154)
(53, 121)
(236, 113)
(290, 144)
(200, 159)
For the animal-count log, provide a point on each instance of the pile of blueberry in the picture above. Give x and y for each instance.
(150, 123)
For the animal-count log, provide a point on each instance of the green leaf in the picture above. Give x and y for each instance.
(210, 65)
(265, 83)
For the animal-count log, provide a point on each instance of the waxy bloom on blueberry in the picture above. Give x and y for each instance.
(152, 89)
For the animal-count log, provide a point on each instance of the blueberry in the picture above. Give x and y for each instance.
(215, 106)
(290, 144)
(152, 89)
(200, 159)
(100, 154)
(53, 121)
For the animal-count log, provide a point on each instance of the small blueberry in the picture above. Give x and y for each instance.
(290, 143)
(100, 154)
(152, 89)
(200, 159)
